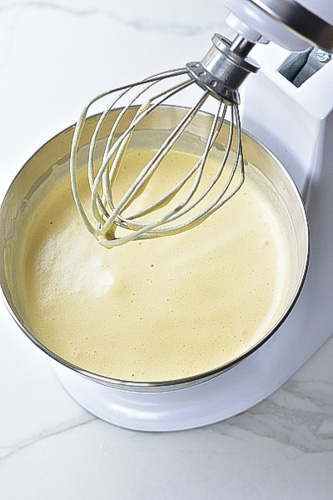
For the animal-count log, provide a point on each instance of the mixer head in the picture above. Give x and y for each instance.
(292, 24)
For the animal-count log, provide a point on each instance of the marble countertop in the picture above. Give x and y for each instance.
(54, 56)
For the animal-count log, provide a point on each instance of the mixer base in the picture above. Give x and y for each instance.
(229, 394)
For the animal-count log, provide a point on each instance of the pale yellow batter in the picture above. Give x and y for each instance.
(157, 309)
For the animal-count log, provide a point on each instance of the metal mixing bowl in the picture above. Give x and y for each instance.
(48, 164)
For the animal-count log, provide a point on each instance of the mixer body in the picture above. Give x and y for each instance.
(296, 124)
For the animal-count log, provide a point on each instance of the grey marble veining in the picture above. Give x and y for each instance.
(10, 449)
(299, 415)
(176, 17)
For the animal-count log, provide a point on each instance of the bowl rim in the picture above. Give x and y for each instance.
(179, 383)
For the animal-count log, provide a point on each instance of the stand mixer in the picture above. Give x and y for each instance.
(288, 105)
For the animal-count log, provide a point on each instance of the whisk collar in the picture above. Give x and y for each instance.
(224, 68)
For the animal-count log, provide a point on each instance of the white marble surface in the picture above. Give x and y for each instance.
(50, 448)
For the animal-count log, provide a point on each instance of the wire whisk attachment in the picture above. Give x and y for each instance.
(117, 215)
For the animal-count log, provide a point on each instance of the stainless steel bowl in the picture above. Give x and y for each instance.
(51, 162)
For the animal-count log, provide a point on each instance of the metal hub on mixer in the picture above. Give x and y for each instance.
(224, 67)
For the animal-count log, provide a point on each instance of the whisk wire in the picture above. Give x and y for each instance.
(118, 149)
(79, 130)
(150, 168)
(155, 162)
(198, 168)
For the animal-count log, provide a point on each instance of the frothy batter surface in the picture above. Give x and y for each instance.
(158, 309)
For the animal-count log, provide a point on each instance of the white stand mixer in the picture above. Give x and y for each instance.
(296, 124)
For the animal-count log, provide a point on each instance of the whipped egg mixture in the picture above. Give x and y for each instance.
(160, 309)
